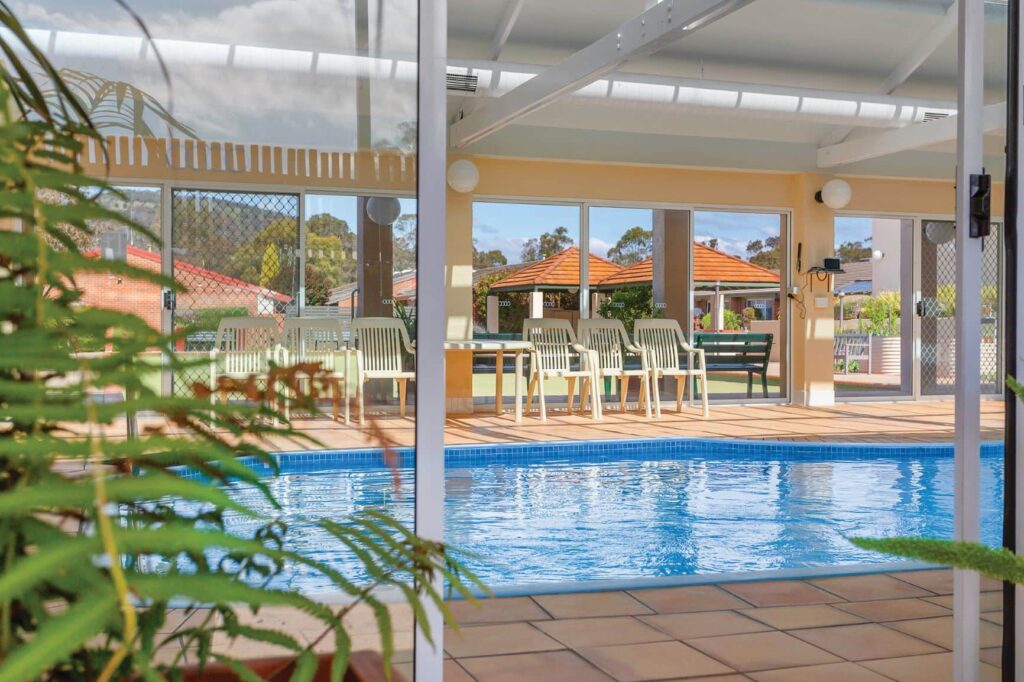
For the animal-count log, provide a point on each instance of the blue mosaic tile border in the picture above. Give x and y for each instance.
(596, 451)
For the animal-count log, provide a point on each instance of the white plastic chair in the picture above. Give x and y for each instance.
(381, 344)
(554, 347)
(319, 340)
(663, 340)
(243, 347)
(609, 340)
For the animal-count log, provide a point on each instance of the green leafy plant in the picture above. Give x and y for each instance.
(86, 514)
(630, 304)
(730, 318)
(880, 314)
(994, 562)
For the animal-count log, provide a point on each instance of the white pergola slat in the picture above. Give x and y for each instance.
(661, 25)
(993, 118)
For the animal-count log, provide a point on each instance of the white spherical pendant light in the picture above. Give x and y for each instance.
(939, 231)
(383, 210)
(463, 176)
(835, 194)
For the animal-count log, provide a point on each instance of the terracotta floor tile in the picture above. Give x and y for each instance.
(780, 593)
(551, 666)
(704, 624)
(735, 677)
(790, 617)
(894, 609)
(940, 631)
(492, 640)
(832, 672)
(872, 586)
(453, 672)
(937, 580)
(762, 651)
(653, 661)
(591, 604)
(506, 610)
(993, 656)
(867, 641)
(931, 668)
(689, 598)
(990, 601)
(585, 632)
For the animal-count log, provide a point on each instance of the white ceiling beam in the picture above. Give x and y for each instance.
(904, 139)
(505, 26)
(643, 35)
(917, 56)
(921, 52)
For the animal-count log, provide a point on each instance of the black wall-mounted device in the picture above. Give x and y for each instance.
(981, 205)
(832, 265)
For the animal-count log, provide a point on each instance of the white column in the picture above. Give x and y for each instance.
(492, 314)
(966, 610)
(719, 307)
(431, 319)
(536, 304)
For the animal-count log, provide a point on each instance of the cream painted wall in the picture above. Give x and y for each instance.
(812, 226)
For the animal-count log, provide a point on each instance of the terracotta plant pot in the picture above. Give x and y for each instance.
(364, 666)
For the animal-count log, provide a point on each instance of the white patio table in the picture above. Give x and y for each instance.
(498, 348)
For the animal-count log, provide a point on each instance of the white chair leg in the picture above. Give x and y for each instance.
(540, 396)
(704, 394)
(656, 394)
(681, 381)
(529, 392)
(645, 394)
(571, 394)
(361, 399)
(623, 392)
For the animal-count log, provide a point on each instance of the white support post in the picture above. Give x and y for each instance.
(966, 523)
(431, 317)
(536, 304)
(661, 25)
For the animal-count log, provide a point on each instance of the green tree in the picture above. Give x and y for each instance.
(853, 251)
(270, 266)
(630, 304)
(766, 253)
(711, 243)
(511, 316)
(404, 243)
(880, 314)
(547, 245)
(633, 246)
(487, 259)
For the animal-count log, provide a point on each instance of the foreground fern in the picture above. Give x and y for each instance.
(82, 512)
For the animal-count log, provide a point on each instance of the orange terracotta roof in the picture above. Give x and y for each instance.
(709, 265)
(197, 271)
(559, 271)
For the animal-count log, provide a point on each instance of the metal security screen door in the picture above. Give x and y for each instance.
(237, 254)
(937, 309)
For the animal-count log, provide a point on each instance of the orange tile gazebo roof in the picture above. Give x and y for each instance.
(560, 271)
(709, 265)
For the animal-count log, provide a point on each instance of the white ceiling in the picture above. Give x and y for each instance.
(835, 45)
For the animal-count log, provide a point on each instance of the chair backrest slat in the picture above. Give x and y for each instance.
(608, 338)
(552, 341)
(663, 339)
(382, 341)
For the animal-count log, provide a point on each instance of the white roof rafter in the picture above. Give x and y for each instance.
(904, 139)
(505, 26)
(643, 35)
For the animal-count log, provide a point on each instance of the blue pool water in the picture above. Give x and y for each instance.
(636, 509)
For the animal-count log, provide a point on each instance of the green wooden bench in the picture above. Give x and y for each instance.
(740, 352)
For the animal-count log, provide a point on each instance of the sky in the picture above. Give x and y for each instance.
(850, 229)
(507, 226)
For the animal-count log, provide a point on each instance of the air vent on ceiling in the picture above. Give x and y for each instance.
(934, 116)
(462, 82)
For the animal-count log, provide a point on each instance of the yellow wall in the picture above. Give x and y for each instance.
(812, 226)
